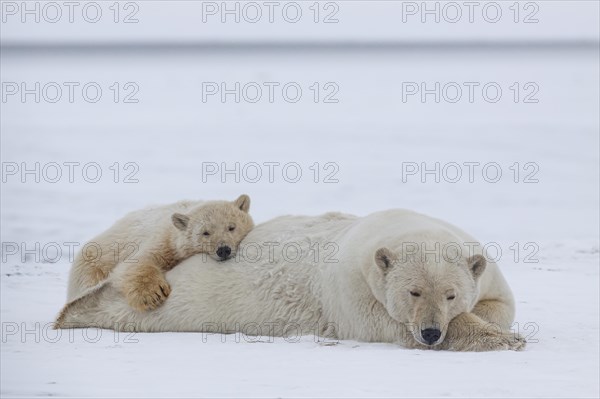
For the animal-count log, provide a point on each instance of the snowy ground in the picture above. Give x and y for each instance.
(367, 135)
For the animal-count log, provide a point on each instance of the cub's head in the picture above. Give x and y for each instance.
(215, 228)
(424, 290)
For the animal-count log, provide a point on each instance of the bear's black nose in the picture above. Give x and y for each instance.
(223, 252)
(431, 335)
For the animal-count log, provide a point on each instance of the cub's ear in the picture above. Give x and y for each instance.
(384, 258)
(476, 265)
(180, 221)
(243, 203)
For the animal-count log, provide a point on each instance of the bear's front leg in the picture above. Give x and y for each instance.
(468, 332)
(144, 286)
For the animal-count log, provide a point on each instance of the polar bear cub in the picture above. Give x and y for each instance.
(154, 240)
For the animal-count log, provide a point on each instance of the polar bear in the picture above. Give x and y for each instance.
(394, 276)
(153, 240)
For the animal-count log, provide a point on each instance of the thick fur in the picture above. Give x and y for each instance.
(148, 242)
(358, 286)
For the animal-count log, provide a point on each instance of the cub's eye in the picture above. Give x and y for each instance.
(231, 228)
(451, 297)
(414, 293)
(206, 233)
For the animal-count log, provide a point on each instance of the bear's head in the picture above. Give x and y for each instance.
(425, 289)
(215, 228)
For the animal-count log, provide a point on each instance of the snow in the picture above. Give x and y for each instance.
(368, 134)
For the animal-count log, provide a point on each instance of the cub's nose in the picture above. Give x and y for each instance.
(223, 252)
(431, 335)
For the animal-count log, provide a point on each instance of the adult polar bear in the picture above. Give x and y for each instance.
(393, 276)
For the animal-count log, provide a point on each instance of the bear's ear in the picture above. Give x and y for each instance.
(243, 203)
(476, 264)
(180, 221)
(384, 258)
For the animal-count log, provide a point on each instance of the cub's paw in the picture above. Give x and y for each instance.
(147, 295)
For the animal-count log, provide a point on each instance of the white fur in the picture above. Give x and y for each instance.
(334, 299)
(142, 236)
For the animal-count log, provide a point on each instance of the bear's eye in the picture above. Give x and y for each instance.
(206, 233)
(451, 297)
(231, 228)
(413, 293)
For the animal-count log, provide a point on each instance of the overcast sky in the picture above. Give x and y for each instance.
(395, 21)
